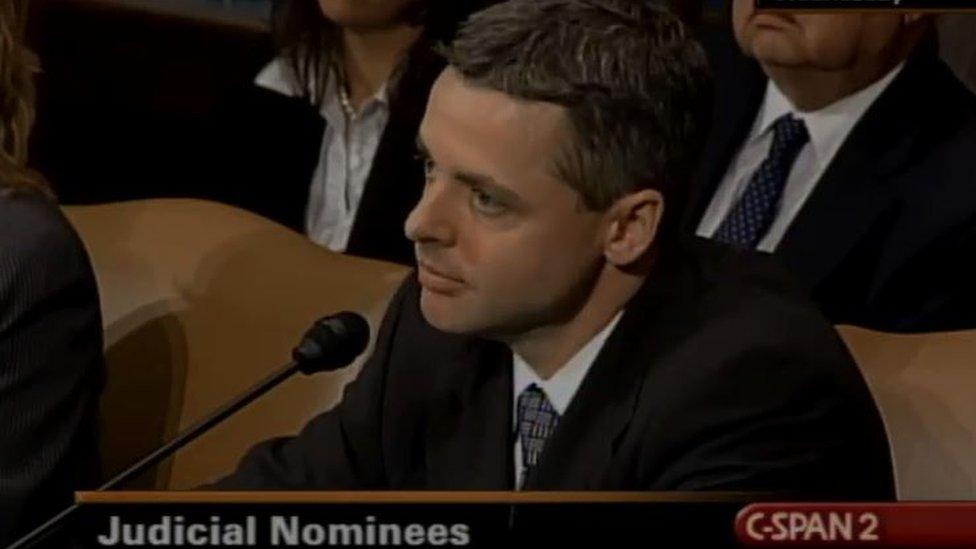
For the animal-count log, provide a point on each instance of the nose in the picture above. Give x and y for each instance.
(430, 221)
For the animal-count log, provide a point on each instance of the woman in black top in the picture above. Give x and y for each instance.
(51, 363)
(279, 148)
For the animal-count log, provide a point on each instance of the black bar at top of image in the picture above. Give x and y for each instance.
(920, 5)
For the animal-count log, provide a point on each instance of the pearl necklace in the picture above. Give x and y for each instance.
(346, 102)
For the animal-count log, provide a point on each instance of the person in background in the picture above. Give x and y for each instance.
(324, 141)
(845, 146)
(51, 363)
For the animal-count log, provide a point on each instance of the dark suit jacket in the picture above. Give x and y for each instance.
(717, 377)
(51, 365)
(884, 238)
(268, 146)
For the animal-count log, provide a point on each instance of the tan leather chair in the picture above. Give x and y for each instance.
(925, 387)
(200, 301)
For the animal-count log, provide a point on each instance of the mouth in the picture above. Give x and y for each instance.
(437, 281)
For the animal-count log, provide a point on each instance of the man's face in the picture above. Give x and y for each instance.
(502, 245)
(365, 14)
(825, 41)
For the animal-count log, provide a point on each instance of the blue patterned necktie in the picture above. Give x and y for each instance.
(537, 419)
(749, 220)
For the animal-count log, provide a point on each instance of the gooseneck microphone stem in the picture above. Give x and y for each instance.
(331, 343)
(202, 426)
(144, 464)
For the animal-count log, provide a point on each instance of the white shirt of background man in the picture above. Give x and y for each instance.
(828, 129)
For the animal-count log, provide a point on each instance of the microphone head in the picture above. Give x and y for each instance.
(331, 343)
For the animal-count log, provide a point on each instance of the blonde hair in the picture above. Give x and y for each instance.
(17, 68)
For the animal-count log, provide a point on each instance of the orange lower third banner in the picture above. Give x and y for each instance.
(503, 519)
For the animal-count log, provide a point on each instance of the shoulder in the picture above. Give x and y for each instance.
(35, 237)
(956, 102)
(949, 122)
(272, 100)
(935, 176)
(758, 391)
(746, 312)
(751, 348)
(748, 282)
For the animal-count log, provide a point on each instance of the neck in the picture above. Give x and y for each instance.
(370, 56)
(548, 348)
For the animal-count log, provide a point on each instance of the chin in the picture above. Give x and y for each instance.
(340, 12)
(354, 14)
(445, 313)
(335, 9)
(773, 48)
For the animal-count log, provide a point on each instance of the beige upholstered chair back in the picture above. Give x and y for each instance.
(200, 301)
(925, 386)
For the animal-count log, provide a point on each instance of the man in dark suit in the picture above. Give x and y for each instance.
(845, 146)
(559, 334)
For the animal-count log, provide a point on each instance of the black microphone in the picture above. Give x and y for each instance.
(333, 342)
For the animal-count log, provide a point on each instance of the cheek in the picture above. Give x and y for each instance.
(534, 269)
(831, 39)
(497, 261)
(775, 46)
(878, 35)
(741, 11)
(334, 10)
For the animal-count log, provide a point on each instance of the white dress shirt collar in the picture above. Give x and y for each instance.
(278, 76)
(562, 386)
(829, 126)
(559, 389)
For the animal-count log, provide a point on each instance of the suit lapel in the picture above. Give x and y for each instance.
(580, 452)
(855, 189)
(735, 110)
(469, 439)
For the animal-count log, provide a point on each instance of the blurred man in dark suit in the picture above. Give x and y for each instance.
(844, 145)
(559, 333)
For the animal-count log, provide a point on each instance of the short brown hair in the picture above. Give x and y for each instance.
(635, 84)
(17, 68)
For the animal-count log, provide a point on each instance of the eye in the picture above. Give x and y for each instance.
(486, 203)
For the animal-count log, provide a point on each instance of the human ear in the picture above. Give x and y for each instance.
(634, 221)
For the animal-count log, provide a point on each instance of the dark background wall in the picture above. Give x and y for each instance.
(125, 91)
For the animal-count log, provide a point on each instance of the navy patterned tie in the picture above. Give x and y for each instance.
(537, 419)
(749, 220)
